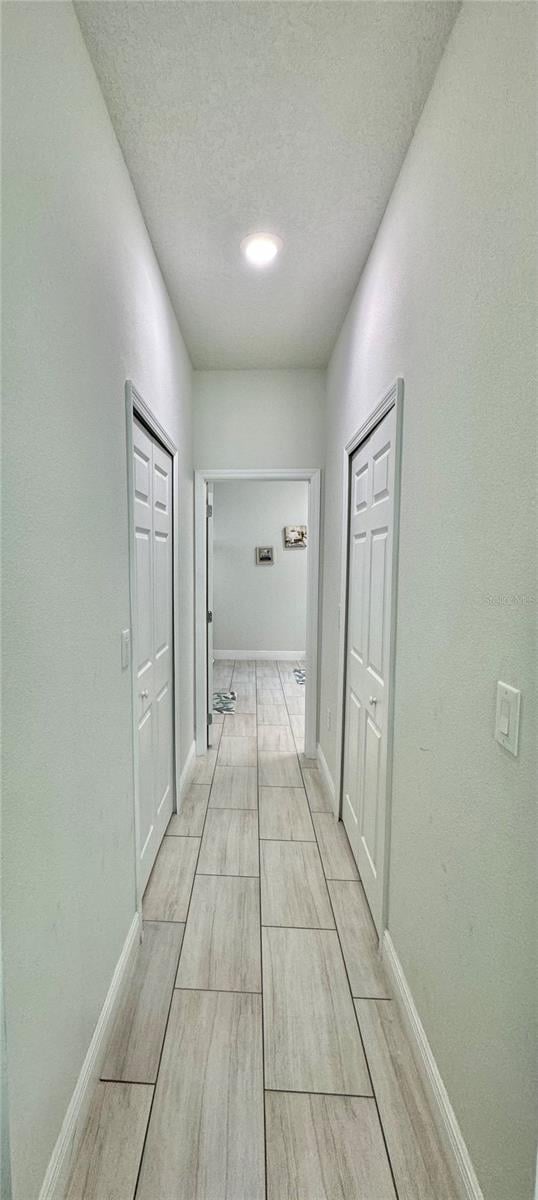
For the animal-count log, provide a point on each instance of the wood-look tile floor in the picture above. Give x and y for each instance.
(257, 1054)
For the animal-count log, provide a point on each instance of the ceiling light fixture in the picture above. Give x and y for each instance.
(260, 249)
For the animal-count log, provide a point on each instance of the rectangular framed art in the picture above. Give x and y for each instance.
(295, 537)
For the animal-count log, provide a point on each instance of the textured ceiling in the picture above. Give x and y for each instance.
(237, 116)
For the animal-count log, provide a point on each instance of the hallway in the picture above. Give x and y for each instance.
(295, 1008)
(269, 346)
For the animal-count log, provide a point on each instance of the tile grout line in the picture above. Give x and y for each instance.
(306, 929)
(181, 835)
(161, 921)
(296, 841)
(219, 991)
(341, 1095)
(174, 989)
(289, 787)
(224, 874)
(229, 807)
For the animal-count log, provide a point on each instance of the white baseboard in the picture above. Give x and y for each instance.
(57, 1174)
(186, 771)
(261, 655)
(442, 1111)
(328, 782)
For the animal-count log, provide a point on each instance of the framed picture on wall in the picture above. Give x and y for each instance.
(264, 555)
(295, 537)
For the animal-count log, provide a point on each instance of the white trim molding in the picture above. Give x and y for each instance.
(327, 780)
(312, 476)
(56, 1178)
(136, 402)
(261, 655)
(186, 772)
(442, 1111)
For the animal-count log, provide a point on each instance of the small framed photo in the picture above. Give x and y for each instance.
(264, 555)
(295, 537)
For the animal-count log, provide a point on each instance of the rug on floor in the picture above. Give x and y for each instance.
(300, 675)
(224, 702)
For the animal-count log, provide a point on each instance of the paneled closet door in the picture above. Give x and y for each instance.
(153, 642)
(368, 655)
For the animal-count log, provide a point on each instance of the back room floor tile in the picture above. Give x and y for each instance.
(272, 714)
(278, 770)
(239, 725)
(237, 752)
(277, 738)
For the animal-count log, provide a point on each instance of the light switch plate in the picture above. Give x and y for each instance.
(125, 648)
(507, 716)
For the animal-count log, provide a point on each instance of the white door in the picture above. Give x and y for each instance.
(154, 666)
(209, 607)
(368, 654)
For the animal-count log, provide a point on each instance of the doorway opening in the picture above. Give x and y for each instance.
(367, 649)
(257, 578)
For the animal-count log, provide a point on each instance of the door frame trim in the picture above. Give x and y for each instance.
(136, 406)
(393, 398)
(312, 476)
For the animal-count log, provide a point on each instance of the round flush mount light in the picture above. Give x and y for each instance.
(260, 249)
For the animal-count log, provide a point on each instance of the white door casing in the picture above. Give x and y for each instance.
(368, 655)
(153, 642)
(209, 582)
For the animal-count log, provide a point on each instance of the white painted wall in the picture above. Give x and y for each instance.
(446, 302)
(85, 307)
(258, 418)
(258, 608)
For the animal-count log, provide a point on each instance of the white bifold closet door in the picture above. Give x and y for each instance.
(368, 656)
(154, 666)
